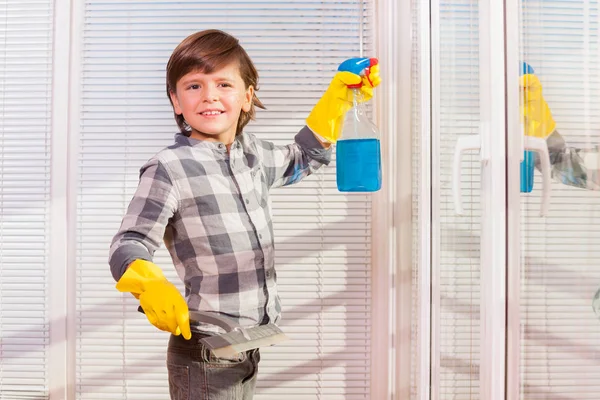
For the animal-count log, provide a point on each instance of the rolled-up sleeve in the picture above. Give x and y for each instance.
(289, 164)
(143, 226)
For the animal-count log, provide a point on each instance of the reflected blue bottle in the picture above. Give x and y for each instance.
(527, 165)
(358, 151)
(527, 169)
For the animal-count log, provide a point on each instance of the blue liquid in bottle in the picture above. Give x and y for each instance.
(358, 151)
(358, 165)
(527, 169)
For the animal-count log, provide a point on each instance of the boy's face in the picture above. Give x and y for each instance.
(211, 103)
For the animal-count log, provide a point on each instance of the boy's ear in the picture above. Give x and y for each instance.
(175, 102)
(248, 96)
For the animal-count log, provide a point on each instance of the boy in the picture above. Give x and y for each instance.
(206, 197)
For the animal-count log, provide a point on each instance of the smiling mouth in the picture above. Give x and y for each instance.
(211, 113)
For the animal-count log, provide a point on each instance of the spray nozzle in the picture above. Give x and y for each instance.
(526, 69)
(359, 66)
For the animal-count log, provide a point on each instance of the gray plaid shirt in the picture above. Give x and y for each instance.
(213, 212)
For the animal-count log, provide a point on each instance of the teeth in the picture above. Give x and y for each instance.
(211, 113)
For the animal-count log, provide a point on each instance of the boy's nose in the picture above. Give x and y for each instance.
(210, 95)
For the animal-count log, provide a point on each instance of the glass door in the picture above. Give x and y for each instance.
(469, 208)
(468, 204)
(556, 273)
(456, 238)
(515, 204)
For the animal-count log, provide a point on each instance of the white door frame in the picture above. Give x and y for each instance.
(391, 341)
(514, 155)
(492, 77)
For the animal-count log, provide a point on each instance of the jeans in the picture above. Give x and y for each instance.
(196, 374)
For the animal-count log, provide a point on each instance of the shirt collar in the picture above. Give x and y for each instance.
(184, 140)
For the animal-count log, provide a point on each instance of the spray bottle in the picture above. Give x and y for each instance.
(358, 150)
(528, 163)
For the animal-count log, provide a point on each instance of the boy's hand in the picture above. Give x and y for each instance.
(327, 116)
(162, 303)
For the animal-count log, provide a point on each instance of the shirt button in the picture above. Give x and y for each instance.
(247, 201)
(268, 274)
(260, 235)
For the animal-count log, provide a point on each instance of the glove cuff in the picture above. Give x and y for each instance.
(137, 274)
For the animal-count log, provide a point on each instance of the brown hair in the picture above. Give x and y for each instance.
(208, 51)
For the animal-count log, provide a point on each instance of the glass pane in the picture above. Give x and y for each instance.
(457, 259)
(560, 254)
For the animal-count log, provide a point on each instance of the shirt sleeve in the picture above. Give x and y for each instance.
(144, 224)
(289, 164)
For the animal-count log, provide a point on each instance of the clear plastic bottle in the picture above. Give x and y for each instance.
(358, 151)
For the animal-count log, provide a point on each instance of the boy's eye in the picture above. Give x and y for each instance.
(194, 87)
(225, 85)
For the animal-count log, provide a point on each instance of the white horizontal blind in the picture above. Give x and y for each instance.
(322, 236)
(25, 121)
(458, 269)
(560, 345)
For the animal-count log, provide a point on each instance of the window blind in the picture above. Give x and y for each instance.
(322, 236)
(560, 339)
(26, 31)
(456, 267)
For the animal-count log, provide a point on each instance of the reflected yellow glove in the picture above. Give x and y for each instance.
(535, 113)
(327, 116)
(162, 303)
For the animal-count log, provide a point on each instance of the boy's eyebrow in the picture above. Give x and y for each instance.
(191, 78)
(195, 78)
(224, 78)
(185, 81)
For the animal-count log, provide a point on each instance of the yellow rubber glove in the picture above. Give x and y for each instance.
(327, 116)
(162, 303)
(535, 113)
